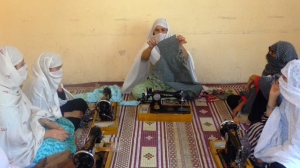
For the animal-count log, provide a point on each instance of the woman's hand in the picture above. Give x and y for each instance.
(181, 39)
(60, 89)
(52, 125)
(57, 134)
(250, 82)
(152, 43)
(238, 108)
(275, 91)
(274, 94)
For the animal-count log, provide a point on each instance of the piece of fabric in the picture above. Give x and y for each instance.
(4, 160)
(285, 52)
(258, 108)
(159, 37)
(280, 139)
(254, 132)
(173, 70)
(140, 70)
(37, 87)
(23, 72)
(15, 55)
(21, 134)
(97, 94)
(52, 146)
(71, 105)
(153, 83)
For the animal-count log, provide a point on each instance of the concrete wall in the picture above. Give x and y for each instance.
(99, 39)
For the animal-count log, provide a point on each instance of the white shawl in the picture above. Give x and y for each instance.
(37, 87)
(21, 134)
(280, 139)
(140, 70)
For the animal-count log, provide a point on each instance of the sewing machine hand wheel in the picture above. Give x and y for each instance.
(226, 126)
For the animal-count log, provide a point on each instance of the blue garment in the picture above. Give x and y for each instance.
(97, 94)
(51, 146)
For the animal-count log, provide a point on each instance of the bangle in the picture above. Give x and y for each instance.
(45, 122)
(271, 107)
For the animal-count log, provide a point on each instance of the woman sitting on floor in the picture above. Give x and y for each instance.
(28, 134)
(145, 74)
(280, 139)
(251, 104)
(44, 90)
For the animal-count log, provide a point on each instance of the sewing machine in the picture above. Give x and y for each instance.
(158, 105)
(230, 153)
(104, 106)
(86, 156)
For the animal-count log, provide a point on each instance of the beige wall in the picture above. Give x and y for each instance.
(98, 39)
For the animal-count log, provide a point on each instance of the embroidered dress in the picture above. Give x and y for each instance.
(51, 146)
(21, 134)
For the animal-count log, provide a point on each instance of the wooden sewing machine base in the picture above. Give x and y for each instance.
(145, 113)
(108, 127)
(220, 145)
(105, 148)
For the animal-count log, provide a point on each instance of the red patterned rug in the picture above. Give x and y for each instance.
(167, 144)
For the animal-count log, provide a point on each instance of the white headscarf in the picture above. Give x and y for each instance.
(10, 77)
(51, 60)
(21, 134)
(41, 87)
(140, 70)
(280, 139)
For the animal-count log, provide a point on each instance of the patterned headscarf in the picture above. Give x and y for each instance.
(285, 52)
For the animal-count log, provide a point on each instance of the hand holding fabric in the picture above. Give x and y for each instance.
(152, 43)
(181, 39)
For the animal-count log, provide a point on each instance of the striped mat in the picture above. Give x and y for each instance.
(167, 144)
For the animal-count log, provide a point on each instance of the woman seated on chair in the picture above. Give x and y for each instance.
(250, 105)
(44, 90)
(144, 73)
(28, 134)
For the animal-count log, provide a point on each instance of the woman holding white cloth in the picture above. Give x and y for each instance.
(280, 139)
(142, 75)
(27, 134)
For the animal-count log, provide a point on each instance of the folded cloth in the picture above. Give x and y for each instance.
(97, 94)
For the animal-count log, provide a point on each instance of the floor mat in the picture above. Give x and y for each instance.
(167, 144)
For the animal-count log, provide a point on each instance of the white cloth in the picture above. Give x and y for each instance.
(4, 160)
(280, 138)
(21, 134)
(38, 88)
(140, 70)
(50, 60)
(15, 55)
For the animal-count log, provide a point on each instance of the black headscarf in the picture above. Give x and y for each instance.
(285, 52)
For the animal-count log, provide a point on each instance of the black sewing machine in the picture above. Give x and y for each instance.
(86, 157)
(104, 106)
(234, 155)
(158, 102)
